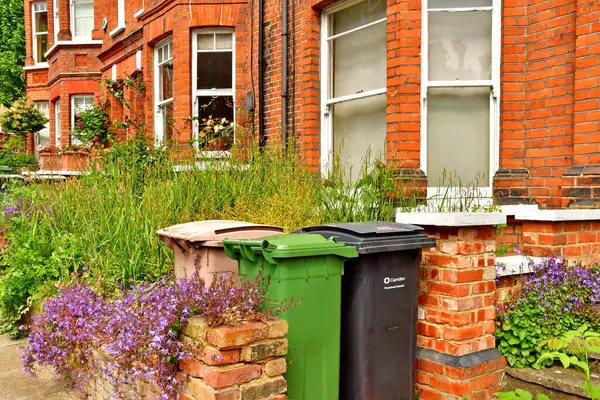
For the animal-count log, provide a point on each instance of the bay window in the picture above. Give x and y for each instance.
(460, 90)
(40, 31)
(82, 19)
(213, 76)
(353, 82)
(79, 103)
(163, 67)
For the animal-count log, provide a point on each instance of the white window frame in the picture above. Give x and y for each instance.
(81, 38)
(35, 33)
(327, 82)
(210, 92)
(493, 84)
(57, 123)
(159, 128)
(120, 18)
(74, 111)
(56, 19)
(46, 127)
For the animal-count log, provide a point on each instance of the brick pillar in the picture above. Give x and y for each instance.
(64, 8)
(457, 358)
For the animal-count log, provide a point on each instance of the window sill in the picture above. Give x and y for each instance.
(36, 66)
(73, 42)
(138, 13)
(117, 30)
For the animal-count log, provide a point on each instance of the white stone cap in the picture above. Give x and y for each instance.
(513, 210)
(515, 265)
(558, 215)
(450, 218)
(46, 173)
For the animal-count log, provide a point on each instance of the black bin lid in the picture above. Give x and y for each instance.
(375, 237)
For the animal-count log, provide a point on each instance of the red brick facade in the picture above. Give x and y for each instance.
(547, 140)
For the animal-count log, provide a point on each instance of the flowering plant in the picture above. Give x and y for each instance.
(215, 134)
(555, 298)
(138, 330)
(92, 125)
(22, 118)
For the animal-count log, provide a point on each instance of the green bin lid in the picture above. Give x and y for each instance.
(289, 245)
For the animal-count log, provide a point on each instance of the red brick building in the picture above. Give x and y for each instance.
(504, 88)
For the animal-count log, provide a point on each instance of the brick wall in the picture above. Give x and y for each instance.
(246, 361)
(548, 102)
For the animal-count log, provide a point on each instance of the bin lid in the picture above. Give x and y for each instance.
(288, 245)
(215, 231)
(374, 237)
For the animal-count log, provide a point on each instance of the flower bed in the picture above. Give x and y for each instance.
(135, 340)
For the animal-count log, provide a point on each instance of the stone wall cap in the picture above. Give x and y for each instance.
(515, 265)
(451, 218)
(558, 215)
(512, 210)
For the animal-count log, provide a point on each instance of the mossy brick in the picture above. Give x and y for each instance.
(264, 349)
(201, 391)
(275, 367)
(277, 328)
(220, 377)
(196, 327)
(263, 388)
(226, 337)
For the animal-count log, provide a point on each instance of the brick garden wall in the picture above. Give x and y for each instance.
(242, 362)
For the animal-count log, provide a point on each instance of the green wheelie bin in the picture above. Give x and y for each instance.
(310, 267)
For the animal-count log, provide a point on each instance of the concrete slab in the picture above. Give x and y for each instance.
(17, 385)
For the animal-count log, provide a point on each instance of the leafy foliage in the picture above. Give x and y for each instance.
(520, 394)
(12, 51)
(92, 125)
(573, 349)
(555, 299)
(11, 157)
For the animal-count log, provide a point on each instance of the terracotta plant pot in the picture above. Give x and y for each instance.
(50, 161)
(74, 160)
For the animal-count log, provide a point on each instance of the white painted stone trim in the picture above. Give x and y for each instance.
(47, 173)
(515, 265)
(513, 210)
(450, 219)
(558, 215)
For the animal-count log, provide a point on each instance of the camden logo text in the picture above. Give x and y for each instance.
(394, 283)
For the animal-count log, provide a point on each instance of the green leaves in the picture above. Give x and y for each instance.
(520, 394)
(12, 51)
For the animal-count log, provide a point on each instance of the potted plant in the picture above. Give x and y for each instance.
(23, 118)
(75, 157)
(49, 157)
(215, 136)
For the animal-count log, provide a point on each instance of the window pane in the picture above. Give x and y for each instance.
(84, 18)
(433, 4)
(41, 47)
(167, 116)
(206, 41)
(41, 21)
(360, 14)
(57, 123)
(460, 45)
(224, 41)
(458, 133)
(166, 81)
(358, 126)
(215, 107)
(215, 70)
(360, 61)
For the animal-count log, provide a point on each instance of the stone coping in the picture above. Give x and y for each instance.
(450, 218)
(558, 215)
(515, 265)
(523, 212)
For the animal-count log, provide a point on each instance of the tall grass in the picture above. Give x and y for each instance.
(112, 214)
